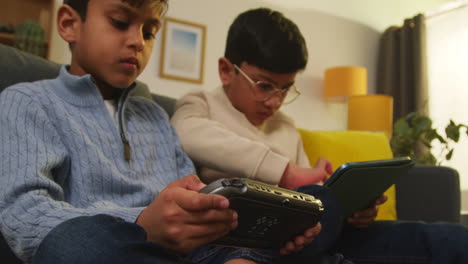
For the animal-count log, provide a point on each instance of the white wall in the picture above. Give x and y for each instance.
(337, 33)
(377, 14)
(448, 60)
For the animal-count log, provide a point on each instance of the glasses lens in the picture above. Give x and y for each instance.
(291, 95)
(264, 90)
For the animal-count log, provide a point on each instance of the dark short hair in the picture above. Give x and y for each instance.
(81, 6)
(267, 39)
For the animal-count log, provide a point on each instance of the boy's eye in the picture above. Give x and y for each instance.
(148, 35)
(119, 24)
(286, 89)
(149, 32)
(265, 87)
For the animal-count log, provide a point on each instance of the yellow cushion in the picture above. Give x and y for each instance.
(350, 146)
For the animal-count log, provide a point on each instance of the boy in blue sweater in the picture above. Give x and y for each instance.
(89, 174)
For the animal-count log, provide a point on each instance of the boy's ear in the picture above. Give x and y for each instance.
(68, 22)
(226, 71)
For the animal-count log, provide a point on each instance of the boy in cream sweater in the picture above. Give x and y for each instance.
(237, 130)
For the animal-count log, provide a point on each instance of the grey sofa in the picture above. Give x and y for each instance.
(427, 193)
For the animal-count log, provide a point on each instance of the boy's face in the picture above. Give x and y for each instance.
(240, 93)
(115, 41)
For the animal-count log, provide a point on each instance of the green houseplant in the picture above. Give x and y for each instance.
(413, 136)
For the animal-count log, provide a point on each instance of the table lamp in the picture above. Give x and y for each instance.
(371, 113)
(343, 81)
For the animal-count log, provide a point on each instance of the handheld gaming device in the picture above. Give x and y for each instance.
(269, 216)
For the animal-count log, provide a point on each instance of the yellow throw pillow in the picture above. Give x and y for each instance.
(350, 146)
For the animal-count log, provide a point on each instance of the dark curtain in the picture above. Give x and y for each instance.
(401, 67)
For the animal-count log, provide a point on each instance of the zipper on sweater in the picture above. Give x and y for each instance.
(122, 127)
(126, 146)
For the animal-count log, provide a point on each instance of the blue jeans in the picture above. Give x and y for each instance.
(405, 242)
(387, 242)
(104, 239)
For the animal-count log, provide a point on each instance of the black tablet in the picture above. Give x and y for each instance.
(356, 185)
(269, 216)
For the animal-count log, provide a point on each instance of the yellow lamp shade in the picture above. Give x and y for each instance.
(371, 113)
(345, 81)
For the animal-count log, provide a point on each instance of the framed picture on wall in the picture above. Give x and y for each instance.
(182, 50)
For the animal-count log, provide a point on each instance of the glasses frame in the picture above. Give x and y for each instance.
(275, 91)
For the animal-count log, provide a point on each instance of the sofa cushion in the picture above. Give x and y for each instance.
(18, 66)
(350, 146)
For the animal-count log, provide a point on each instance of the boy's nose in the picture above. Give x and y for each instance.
(274, 101)
(137, 40)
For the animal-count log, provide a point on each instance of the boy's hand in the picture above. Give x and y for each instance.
(325, 166)
(301, 241)
(182, 219)
(295, 176)
(364, 218)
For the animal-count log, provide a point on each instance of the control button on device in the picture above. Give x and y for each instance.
(226, 183)
(237, 183)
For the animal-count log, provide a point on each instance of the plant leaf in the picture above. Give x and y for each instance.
(421, 124)
(414, 133)
(401, 127)
(441, 139)
(449, 155)
(452, 131)
(431, 135)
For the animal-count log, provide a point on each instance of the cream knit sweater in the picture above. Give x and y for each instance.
(223, 143)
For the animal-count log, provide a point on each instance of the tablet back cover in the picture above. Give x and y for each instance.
(357, 188)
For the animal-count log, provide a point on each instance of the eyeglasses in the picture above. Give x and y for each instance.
(264, 90)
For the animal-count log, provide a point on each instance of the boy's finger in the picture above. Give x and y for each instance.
(382, 199)
(212, 216)
(194, 201)
(313, 231)
(329, 168)
(189, 182)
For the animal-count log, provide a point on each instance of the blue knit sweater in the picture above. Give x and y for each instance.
(62, 156)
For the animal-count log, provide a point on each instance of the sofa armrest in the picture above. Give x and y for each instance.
(429, 193)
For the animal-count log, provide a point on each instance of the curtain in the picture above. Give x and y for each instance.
(401, 67)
